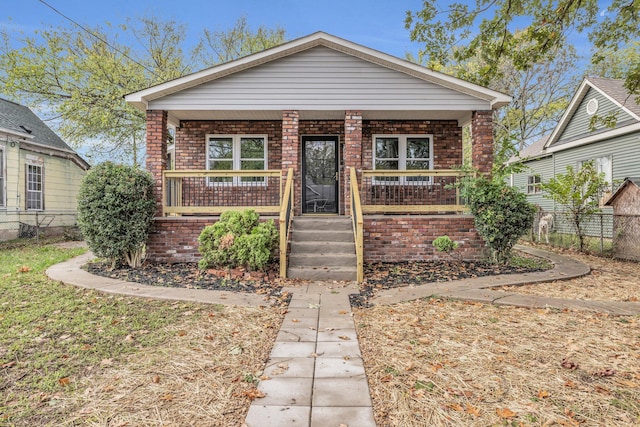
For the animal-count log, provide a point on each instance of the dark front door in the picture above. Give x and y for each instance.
(320, 174)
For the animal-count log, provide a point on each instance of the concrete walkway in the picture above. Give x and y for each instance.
(315, 369)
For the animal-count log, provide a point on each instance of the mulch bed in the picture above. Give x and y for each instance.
(189, 276)
(379, 276)
(387, 275)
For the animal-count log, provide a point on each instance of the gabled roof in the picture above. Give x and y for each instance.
(613, 90)
(141, 98)
(21, 122)
(627, 181)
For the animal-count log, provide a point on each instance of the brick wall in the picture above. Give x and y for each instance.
(157, 135)
(409, 238)
(482, 140)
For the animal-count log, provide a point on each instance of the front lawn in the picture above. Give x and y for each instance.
(70, 356)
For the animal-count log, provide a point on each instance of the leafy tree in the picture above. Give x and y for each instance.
(502, 214)
(116, 207)
(579, 192)
(78, 78)
(458, 33)
(239, 41)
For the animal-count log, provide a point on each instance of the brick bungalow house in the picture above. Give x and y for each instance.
(324, 110)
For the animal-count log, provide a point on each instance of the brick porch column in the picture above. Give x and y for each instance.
(157, 135)
(291, 154)
(352, 152)
(482, 141)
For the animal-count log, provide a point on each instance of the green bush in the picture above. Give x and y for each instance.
(238, 239)
(502, 214)
(116, 207)
(445, 244)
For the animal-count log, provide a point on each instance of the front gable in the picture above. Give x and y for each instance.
(597, 98)
(319, 79)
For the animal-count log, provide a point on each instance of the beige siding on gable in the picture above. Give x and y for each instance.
(319, 79)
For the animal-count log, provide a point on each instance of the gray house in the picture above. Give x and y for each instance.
(615, 150)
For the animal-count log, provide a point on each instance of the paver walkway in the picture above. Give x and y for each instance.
(316, 373)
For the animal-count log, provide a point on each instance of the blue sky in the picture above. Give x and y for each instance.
(375, 24)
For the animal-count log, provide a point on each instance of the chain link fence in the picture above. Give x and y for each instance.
(36, 225)
(598, 230)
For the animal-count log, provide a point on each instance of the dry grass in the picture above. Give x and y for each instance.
(203, 376)
(440, 362)
(610, 280)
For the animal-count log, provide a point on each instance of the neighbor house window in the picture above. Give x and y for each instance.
(403, 152)
(3, 180)
(35, 187)
(603, 166)
(236, 152)
(533, 184)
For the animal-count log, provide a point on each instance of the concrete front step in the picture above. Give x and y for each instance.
(329, 259)
(321, 236)
(322, 273)
(322, 249)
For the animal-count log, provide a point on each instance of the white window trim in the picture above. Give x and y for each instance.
(534, 185)
(40, 192)
(236, 160)
(402, 157)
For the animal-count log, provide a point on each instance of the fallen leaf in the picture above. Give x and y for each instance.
(455, 406)
(253, 393)
(505, 413)
(295, 320)
(567, 364)
(182, 333)
(64, 381)
(472, 410)
(605, 373)
(156, 379)
(24, 269)
(9, 364)
(602, 390)
(265, 377)
(343, 312)
(543, 394)
(344, 337)
(167, 397)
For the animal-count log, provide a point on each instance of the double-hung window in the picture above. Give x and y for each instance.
(403, 152)
(533, 184)
(35, 193)
(227, 153)
(3, 181)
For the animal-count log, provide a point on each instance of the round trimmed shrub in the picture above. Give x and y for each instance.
(116, 207)
(238, 239)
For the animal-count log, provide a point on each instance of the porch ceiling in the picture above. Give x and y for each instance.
(175, 116)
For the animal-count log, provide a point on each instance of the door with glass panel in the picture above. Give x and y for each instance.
(320, 174)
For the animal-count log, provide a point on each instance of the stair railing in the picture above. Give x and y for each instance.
(286, 216)
(358, 224)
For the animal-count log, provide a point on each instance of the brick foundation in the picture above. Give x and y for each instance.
(410, 237)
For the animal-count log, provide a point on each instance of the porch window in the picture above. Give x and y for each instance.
(403, 152)
(533, 184)
(34, 187)
(236, 152)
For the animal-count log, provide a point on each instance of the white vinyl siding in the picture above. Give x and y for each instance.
(3, 180)
(236, 152)
(319, 79)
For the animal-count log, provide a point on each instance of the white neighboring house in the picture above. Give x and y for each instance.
(39, 175)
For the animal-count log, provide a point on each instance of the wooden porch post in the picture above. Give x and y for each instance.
(157, 134)
(482, 141)
(291, 154)
(352, 153)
